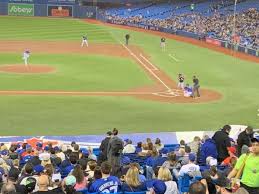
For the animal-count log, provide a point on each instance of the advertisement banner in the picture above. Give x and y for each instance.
(16, 9)
(60, 11)
(21, 1)
(61, 1)
(213, 41)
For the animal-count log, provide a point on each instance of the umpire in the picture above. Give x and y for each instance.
(196, 87)
(127, 37)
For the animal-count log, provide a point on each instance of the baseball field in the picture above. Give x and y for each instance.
(69, 90)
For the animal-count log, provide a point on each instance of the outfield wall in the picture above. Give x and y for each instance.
(46, 8)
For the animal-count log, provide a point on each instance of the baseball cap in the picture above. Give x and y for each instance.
(211, 161)
(159, 187)
(56, 177)
(254, 140)
(70, 180)
(39, 144)
(192, 157)
(44, 156)
(38, 169)
(109, 133)
(4, 152)
(46, 148)
(30, 184)
(232, 150)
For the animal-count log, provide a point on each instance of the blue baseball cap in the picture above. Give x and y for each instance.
(39, 144)
(4, 152)
(159, 187)
(38, 168)
(192, 157)
(46, 148)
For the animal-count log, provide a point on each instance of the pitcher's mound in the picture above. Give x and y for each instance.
(30, 69)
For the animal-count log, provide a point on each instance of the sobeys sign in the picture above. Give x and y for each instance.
(20, 9)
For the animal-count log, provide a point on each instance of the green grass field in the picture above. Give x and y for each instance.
(235, 79)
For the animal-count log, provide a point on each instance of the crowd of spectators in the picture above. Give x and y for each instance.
(217, 25)
(209, 162)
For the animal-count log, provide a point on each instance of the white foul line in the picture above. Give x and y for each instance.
(173, 57)
(154, 67)
(145, 66)
(70, 92)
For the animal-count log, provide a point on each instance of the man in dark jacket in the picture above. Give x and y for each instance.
(244, 138)
(114, 151)
(222, 141)
(103, 148)
(208, 148)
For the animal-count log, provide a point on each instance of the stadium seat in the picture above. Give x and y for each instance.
(140, 192)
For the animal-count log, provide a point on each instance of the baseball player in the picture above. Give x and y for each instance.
(26, 56)
(180, 81)
(162, 43)
(84, 41)
(187, 91)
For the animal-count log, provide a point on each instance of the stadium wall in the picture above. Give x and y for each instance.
(50, 8)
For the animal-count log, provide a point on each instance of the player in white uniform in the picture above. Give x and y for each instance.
(84, 41)
(26, 56)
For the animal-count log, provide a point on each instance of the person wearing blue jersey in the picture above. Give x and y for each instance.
(107, 184)
(187, 92)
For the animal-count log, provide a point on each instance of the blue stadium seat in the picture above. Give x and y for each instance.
(140, 192)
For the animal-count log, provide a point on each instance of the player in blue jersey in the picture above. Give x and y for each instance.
(107, 184)
(187, 91)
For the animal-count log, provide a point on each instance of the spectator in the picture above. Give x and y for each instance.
(43, 184)
(159, 161)
(208, 148)
(197, 188)
(222, 141)
(27, 172)
(249, 162)
(139, 147)
(164, 174)
(132, 181)
(108, 183)
(8, 188)
(69, 184)
(192, 169)
(103, 148)
(244, 138)
(128, 148)
(195, 145)
(158, 144)
(231, 152)
(115, 148)
(57, 183)
(81, 180)
(91, 165)
(13, 176)
(91, 155)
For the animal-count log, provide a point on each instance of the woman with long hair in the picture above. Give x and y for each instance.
(132, 182)
(81, 180)
(165, 175)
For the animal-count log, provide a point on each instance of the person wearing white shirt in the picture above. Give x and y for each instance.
(129, 148)
(190, 167)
